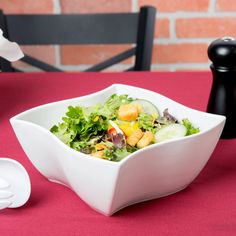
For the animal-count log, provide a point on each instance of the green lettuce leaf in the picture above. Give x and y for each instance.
(145, 122)
(113, 103)
(80, 126)
(116, 154)
(190, 128)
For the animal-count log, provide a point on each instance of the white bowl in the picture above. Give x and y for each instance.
(155, 171)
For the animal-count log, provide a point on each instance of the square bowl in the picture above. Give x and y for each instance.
(158, 170)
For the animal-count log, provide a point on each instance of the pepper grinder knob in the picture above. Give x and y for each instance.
(222, 52)
(222, 100)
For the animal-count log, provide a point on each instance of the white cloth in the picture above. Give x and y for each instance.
(9, 50)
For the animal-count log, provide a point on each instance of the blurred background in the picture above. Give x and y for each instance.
(184, 29)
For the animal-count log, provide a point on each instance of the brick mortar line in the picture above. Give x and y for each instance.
(134, 5)
(166, 67)
(28, 69)
(212, 6)
(57, 55)
(180, 65)
(172, 28)
(121, 67)
(177, 15)
(173, 68)
(166, 41)
(83, 67)
(70, 68)
(57, 10)
(56, 7)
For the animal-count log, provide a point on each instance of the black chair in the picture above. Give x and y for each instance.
(108, 28)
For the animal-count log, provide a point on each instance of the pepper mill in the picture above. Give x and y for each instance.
(222, 100)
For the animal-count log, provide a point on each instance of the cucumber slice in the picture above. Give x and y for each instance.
(170, 131)
(147, 107)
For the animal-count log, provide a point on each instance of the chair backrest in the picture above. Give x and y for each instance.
(108, 28)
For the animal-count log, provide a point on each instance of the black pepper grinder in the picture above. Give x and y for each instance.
(222, 100)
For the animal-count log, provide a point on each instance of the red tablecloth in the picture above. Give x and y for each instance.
(206, 207)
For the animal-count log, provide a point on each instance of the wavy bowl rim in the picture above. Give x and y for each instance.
(16, 117)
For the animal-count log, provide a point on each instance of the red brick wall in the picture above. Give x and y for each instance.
(184, 29)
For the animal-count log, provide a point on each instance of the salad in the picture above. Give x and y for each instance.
(120, 126)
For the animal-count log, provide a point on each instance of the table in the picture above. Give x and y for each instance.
(206, 207)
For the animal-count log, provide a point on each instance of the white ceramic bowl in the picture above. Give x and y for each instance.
(155, 171)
